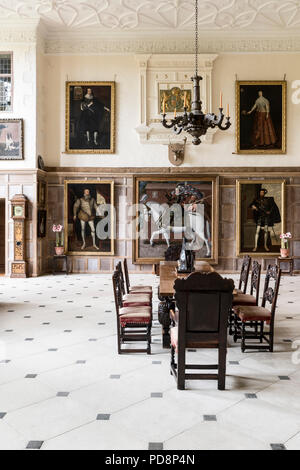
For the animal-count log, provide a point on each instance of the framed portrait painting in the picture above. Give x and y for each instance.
(11, 139)
(90, 117)
(260, 216)
(89, 217)
(170, 209)
(261, 117)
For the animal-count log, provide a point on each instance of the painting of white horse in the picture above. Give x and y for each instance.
(170, 209)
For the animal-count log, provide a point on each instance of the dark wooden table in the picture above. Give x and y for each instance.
(168, 275)
(54, 264)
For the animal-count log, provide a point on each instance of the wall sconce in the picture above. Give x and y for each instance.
(176, 152)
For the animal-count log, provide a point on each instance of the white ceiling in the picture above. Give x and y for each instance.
(171, 16)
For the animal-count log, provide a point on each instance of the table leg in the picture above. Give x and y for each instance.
(165, 320)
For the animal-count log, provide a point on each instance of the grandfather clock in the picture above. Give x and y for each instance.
(18, 214)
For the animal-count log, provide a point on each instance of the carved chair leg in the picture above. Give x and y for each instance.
(222, 368)
(181, 369)
(261, 332)
(231, 322)
(172, 356)
(149, 339)
(243, 337)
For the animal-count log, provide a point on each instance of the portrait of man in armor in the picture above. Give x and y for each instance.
(89, 215)
(261, 216)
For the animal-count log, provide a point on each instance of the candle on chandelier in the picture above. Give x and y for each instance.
(175, 113)
(164, 105)
(227, 114)
(221, 99)
(184, 100)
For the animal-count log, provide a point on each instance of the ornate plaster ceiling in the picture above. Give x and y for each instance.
(171, 16)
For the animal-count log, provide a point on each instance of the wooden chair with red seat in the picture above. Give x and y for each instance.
(133, 323)
(133, 299)
(242, 286)
(251, 320)
(134, 289)
(203, 301)
(247, 299)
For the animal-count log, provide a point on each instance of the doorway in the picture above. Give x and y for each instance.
(2, 237)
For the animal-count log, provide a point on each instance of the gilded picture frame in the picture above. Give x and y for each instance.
(156, 188)
(261, 117)
(260, 207)
(83, 227)
(90, 117)
(11, 139)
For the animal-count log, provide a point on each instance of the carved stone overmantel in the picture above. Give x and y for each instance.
(157, 71)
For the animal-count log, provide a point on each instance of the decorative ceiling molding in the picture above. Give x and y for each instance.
(169, 46)
(150, 15)
(153, 26)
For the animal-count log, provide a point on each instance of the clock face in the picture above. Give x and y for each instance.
(18, 211)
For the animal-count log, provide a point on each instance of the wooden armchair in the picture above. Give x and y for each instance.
(203, 301)
(133, 322)
(250, 321)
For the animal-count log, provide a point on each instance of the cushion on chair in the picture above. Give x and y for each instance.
(135, 300)
(248, 313)
(139, 317)
(126, 310)
(243, 299)
(137, 297)
(140, 289)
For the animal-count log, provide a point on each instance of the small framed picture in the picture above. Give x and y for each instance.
(11, 139)
(42, 220)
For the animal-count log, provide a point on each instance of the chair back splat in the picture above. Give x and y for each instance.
(203, 301)
(126, 275)
(255, 280)
(244, 274)
(270, 294)
(121, 280)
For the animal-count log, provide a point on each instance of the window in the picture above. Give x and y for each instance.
(6, 81)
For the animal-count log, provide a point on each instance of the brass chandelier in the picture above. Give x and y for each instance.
(196, 122)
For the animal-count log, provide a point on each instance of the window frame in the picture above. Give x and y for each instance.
(11, 75)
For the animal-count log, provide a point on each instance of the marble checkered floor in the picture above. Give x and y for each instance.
(63, 386)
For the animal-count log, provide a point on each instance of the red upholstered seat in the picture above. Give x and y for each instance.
(136, 300)
(137, 316)
(247, 313)
(243, 299)
(126, 310)
(142, 289)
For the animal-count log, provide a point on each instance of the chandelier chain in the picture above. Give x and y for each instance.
(196, 36)
(196, 123)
